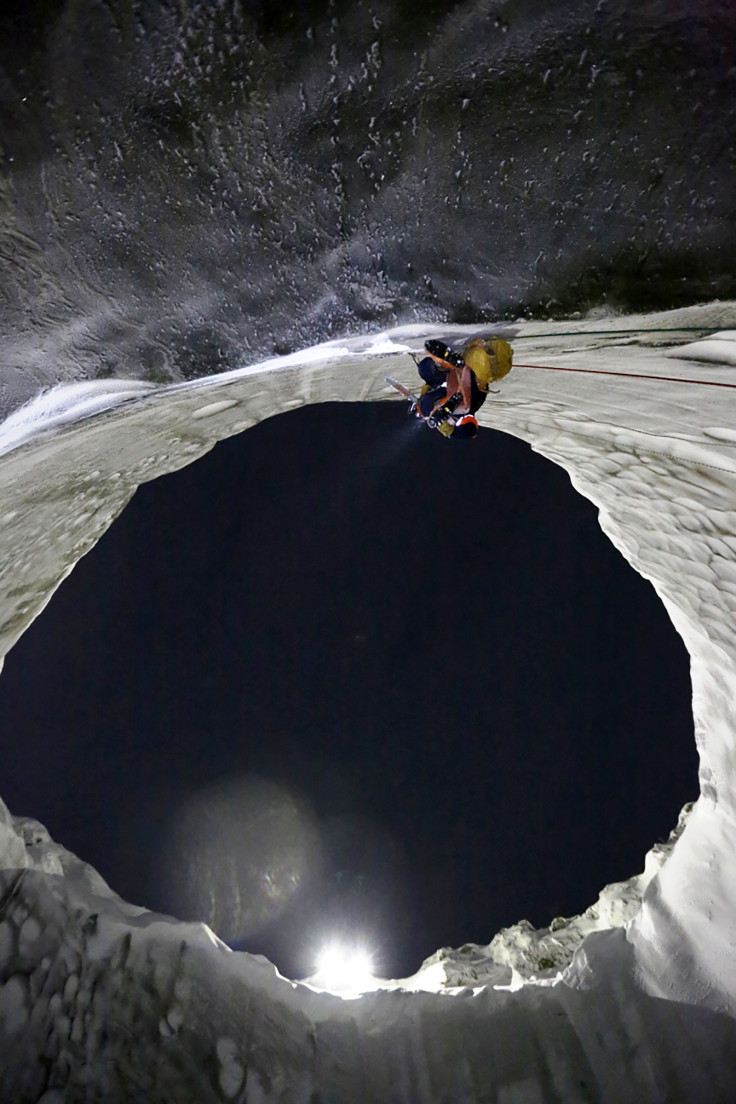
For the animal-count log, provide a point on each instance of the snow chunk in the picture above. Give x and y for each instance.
(232, 1070)
(523, 952)
(720, 433)
(29, 935)
(213, 408)
(718, 349)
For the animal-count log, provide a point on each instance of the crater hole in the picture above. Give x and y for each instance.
(342, 675)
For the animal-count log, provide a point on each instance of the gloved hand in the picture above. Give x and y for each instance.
(442, 413)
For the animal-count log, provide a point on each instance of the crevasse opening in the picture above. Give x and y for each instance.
(660, 472)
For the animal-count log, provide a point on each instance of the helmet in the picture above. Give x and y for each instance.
(466, 427)
(439, 350)
(436, 348)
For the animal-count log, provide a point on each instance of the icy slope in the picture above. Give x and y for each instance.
(181, 181)
(100, 1000)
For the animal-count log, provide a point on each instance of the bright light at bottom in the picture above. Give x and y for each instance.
(340, 967)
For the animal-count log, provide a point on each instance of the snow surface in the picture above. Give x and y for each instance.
(66, 404)
(720, 348)
(634, 1001)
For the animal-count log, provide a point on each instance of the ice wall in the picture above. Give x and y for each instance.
(100, 1000)
(179, 182)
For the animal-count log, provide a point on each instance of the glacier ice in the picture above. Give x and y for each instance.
(633, 1001)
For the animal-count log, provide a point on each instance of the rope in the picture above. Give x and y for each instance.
(624, 375)
(615, 333)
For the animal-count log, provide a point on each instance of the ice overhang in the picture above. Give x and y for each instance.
(137, 1004)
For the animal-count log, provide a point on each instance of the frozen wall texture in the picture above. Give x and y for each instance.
(183, 185)
(188, 188)
(103, 1001)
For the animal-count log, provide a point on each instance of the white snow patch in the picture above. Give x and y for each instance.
(214, 408)
(315, 355)
(67, 403)
(232, 1070)
(718, 349)
(721, 433)
(386, 345)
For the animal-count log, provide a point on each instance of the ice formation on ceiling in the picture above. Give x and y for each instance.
(633, 1001)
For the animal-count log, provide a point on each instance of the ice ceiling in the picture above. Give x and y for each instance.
(102, 998)
(183, 186)
(186, 188)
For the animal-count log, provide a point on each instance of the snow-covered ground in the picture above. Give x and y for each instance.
(632, 1002)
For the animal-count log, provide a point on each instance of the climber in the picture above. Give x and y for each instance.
(457, 383)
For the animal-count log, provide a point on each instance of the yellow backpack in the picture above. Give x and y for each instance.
(489, 360)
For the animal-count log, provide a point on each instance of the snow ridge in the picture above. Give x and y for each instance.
(66, 404)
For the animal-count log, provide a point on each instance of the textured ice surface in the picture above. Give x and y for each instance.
(180, 181)
(720, 348)
(632, 1002)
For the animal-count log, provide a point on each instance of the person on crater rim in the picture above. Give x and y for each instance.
(456, 384)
